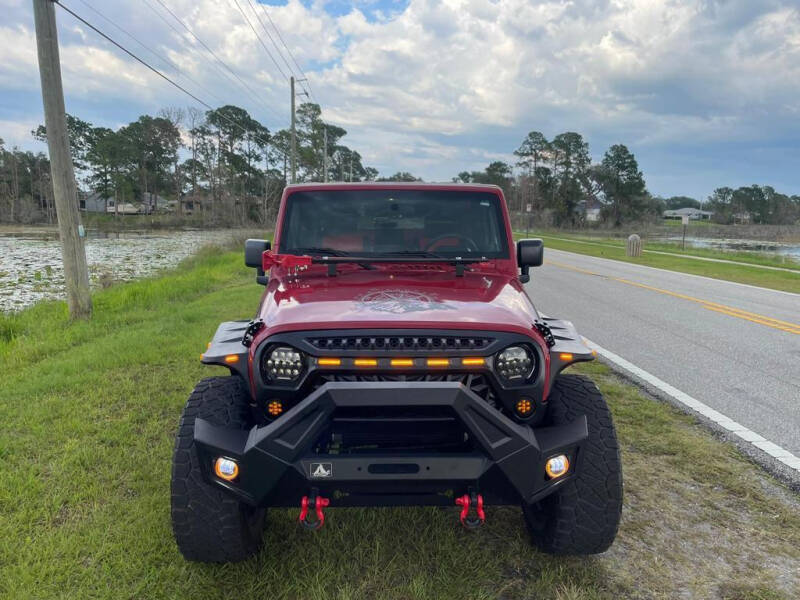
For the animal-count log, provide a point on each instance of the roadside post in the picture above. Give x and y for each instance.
(634, 245)
(528, 209)
(684, 222)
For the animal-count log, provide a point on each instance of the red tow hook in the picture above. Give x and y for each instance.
(475, 500)
(319, 503)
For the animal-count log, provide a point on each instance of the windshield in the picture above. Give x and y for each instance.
(380, 222)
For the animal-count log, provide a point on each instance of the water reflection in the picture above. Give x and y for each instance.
(791, 251)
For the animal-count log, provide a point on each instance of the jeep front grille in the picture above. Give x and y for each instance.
(411, 343)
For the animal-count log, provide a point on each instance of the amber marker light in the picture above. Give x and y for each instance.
(232, 359)
(275, 408)
(402, 362)
(565, 356)
(473, 362)
(226, 469)
(438, 362)
(556, 466)
(524, 407)
(329, 362)
(365, 362)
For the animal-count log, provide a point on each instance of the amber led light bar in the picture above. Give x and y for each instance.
(473, 361)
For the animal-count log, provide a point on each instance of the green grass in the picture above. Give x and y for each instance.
(615, 249)
(89, 410)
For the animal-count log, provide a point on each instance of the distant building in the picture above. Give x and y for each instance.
(591, 209)
(694, 214)
(153, 202)
(93, 202)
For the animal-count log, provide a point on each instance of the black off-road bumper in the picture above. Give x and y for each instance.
(278, 463)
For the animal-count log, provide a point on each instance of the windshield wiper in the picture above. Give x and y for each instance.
(331, 252)
(458, 261)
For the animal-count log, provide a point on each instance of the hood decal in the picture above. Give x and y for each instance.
(400, 302)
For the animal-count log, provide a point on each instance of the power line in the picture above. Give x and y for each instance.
(161, 57)
(157, 72)
(261, 41)
(289, 52)
(212, 53)
(264, 28)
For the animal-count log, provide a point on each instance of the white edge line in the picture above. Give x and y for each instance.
(623, 262)
(747, 435)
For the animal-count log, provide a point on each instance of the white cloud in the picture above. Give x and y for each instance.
(444, 85)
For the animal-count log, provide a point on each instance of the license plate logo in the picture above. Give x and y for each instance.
(321, 470)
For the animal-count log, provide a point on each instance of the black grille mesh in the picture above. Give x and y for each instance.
(401, 343)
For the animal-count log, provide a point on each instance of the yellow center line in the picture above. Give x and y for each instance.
(716, 307)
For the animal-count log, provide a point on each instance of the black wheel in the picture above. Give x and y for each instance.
(582, 516)
(210, 525)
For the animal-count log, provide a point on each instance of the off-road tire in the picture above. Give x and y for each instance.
(582, 516)
(209, 524)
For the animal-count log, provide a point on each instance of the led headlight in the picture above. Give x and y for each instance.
(284, 364)
(514, 364)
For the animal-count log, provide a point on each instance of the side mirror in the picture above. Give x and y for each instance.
(530, 253)
(253, 251)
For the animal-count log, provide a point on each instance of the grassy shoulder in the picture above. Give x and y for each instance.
(672, 258)
(89, 412)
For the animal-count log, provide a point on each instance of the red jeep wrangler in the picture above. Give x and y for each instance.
(395, 359)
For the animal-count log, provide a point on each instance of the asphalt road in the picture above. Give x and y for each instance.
(733, 347)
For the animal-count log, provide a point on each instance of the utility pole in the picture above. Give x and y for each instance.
(325, 153)
(65, 191)
(294, 137)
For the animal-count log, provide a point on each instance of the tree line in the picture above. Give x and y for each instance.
(557, 182)
(230, 168)
(222, 163)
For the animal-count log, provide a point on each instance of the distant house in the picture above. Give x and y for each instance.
(694, 214)
(591, 210)
(94, 202)
(153, 202)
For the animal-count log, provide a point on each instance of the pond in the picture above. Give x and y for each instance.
(789, 251)
(31, 268)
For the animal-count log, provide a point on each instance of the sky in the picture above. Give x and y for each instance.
(705, 93)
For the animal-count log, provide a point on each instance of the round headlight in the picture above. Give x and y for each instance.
(284, 363)
(514, 364)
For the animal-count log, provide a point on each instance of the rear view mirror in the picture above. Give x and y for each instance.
(253, 252)
(530, 253)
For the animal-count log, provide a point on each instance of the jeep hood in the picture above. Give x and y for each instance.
(381, 299)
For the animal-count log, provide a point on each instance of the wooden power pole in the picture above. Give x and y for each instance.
(65, 191)
(294, 137)
(325, 154)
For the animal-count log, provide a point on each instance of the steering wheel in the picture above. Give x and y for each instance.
(469, 243)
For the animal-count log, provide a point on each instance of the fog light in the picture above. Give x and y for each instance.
(226, 469)
(556, 466)
(524, 407)
(275, 408)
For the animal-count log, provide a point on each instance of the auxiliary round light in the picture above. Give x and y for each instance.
(284, 363)
(275, 408)
(515, 363)
(226, 469)
(557, 466)
(524, 407)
